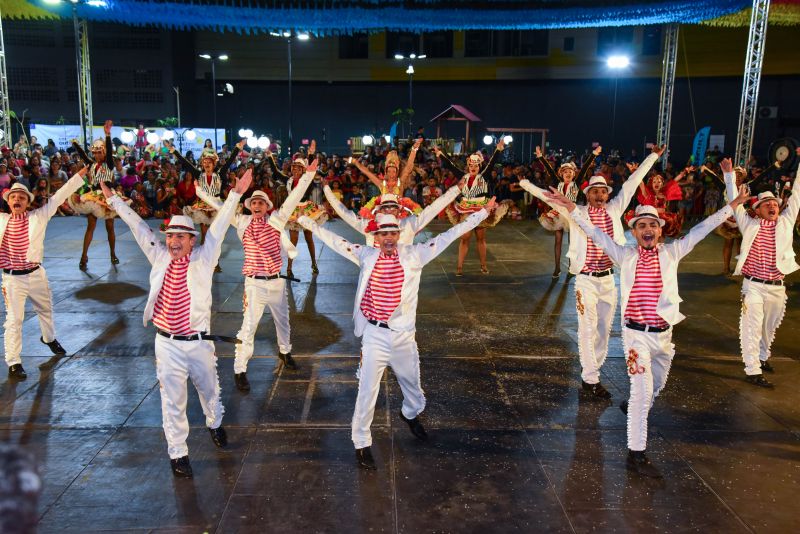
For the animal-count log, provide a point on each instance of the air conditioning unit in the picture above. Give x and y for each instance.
(768, 112)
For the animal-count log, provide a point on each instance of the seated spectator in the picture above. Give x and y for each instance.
(430, 192)
(129, 180)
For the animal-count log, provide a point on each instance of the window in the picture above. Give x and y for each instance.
(506, 43)
(614, 40)
(569, 44)
(402, 43)
(651, 41)
(438, 44)
(354, 46)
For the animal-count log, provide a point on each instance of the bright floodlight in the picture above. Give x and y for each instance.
(244, 133)
(367, 140)
(168, 134)
(412, 56)
(388, 138)
(507, 139)
(618, 62)
(52, 1)
(190, 135)
(229, 88)
(303, 36)
(97, 3)
(287, 34)
(220, 94)
(263, 142)
(241, 132)
(223, 57)
(126, 136)
(410, 69)
(487, 139)
(252, 142)
(205, 56)
(275, 34)
(423, 56)
(152, 138)
(399, 56)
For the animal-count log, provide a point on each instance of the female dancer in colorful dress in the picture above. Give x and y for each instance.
(89, 199)
(569, 180)
(210, 178)
(305, 207)
(664, 195)
(392, 181)
(474, 192)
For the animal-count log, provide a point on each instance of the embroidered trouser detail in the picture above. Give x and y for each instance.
(177, 361)
(597, 301)
(649, 357)
(259, 294)
(763, 308)
(16, 290)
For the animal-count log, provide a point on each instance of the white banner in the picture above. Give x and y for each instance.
(63, 134)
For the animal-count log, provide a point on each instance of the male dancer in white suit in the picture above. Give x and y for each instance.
(385, 314)
(650, 307)
(595, 291)
(766, 257)
(179, 304)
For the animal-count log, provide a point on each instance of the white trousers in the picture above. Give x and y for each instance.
(596, 302)
(763, 307)
(175, 362)
(259, 294)
(649, 357)
(381, 347)
(16, 289)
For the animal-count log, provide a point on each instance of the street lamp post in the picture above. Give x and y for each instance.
(289, 36)
(410, 71)
(221, 57)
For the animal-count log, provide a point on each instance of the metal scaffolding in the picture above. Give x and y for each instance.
(5, 119)
(84, 77)
(667, 86)
(752, 79)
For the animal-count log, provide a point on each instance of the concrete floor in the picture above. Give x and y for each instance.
(514, 446)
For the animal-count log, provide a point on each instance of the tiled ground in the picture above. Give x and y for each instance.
(514, 446)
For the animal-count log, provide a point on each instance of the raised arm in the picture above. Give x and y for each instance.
(498, 149)
(185, 163)
(435, 208)
(147, 240)
(212, 247)
(281, 217)
(109, 161)
(212, 201)
(405, 176)
(433, 247)
(546, 164)
(63, 192)
(366, 172)
(636, 180)
(447, 163)
(587, 165)
(81, 152)
(740, 214)
(541, 194)
(793, 204)
(336, 242)
(223, 171)
(276, 172)
(341, 210)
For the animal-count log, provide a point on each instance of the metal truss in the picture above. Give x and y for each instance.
(667, 86)
(752, 79)
(84, 77)
(5, 109)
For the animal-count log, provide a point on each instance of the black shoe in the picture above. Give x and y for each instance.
(759, 380)
(288, 361)
(219, 437)
(83, 265)
(766, 366)
(638, 462)
(596, 389)
(218, 269)
(242, 384)
(314, 268)
(365, 459)
(416, 427)
(624, 407)
(54, 346)
(16, 371)
(181, 467)
(114, 260)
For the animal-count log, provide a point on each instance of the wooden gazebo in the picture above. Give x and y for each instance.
(456, 113)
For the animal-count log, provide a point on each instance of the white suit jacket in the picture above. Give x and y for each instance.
(277, 218)
(615, 207)
(412, 258)
(669, 255)
(749, 226)
(202, 260)
(409, 226)
(38, 219)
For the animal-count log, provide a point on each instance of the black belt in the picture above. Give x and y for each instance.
(21, 272)
(768, 282)
(646, 328)
(378, 323)
(599, 274)
(198, 336)
(260, 277)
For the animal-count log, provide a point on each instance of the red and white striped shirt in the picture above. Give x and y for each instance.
(171, 311)
(596, 259)
(761, 261)
(262, 249)
(14, 249)
(646, 290)
(383, 290)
